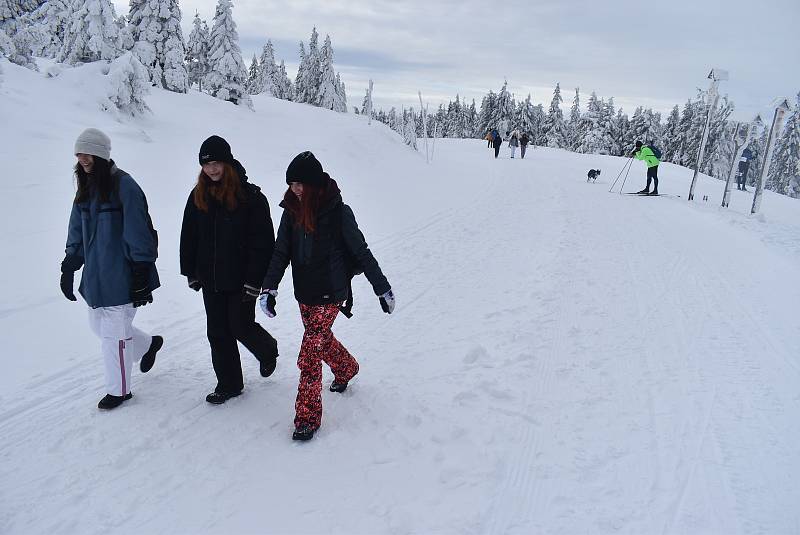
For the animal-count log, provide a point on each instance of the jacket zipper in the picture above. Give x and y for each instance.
(215, 252)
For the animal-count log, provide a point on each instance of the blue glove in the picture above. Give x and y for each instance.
(387, 302)
(267, 302)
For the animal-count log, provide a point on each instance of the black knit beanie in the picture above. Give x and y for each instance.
(215, 149)
(306, 169)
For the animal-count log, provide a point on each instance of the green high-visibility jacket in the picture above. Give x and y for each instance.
(646, 154)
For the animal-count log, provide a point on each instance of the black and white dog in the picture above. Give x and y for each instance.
(592, 175)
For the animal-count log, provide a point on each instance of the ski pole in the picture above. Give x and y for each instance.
(622, 187)
(620, 174)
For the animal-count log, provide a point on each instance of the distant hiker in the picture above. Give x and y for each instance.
(226, 245)
(592, 175)
(319, 236)
(488, 139)
(112, 238)
(645, 153)
(513, 143)
(523, 144)
(497, 142)
(744, 166)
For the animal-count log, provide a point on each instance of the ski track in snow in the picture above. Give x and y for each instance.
(561, 359)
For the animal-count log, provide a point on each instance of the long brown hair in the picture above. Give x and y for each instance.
(305, 209)
(228, 191)
(99, 180)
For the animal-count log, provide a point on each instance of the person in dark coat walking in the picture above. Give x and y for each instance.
(111, 237)
(226, 245)
(744, 166)
(319, 236)
(523, 144)
(497, 142)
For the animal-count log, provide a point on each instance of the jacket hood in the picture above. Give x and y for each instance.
(240, 170)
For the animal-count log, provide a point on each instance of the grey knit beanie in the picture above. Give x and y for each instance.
(93, 141)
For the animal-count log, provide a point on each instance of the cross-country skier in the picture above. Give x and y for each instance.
(226, 245)
(319, 236)
(111, 237)
(645, 153)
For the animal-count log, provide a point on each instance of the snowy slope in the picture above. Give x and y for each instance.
(562, 359)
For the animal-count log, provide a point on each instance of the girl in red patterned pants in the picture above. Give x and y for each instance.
(319, 236)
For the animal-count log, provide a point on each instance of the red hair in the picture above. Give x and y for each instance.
(306, 208)
(227, 191)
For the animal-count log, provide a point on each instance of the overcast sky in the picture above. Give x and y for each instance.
(653, 53)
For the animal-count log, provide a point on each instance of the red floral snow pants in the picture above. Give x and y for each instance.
(319, 345)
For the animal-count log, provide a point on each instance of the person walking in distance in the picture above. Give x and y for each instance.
(497, 142)
(523, 144)
(646, 154)
(319, 237)
(513, 143)
(744, 166)
(111, 238)
(226, 245)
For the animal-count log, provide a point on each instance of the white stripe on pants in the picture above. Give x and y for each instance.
(121, 344)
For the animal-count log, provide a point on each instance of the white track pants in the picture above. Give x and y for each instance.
(121, 344)
(513, 150)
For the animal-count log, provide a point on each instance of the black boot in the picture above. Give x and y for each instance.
(303, 432)
(218, 398)
(111, 402)
(645, 191)
(338, 387)
(149, 358)
(654, 192)
(268, 364)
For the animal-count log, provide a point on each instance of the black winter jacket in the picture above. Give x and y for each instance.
(226, 249)
(319, 268)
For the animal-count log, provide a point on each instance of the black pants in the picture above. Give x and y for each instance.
(522, 149)
(496, 149)
(228, 319)
(652, 175)
(741, 180)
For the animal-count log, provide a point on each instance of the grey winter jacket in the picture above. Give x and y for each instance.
(106, 238)
(513, 142)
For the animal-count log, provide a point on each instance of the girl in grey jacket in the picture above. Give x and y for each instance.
(111, 237)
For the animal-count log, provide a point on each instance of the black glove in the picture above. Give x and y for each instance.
(140, 287)
(250, 293)
(69, 266)
(67, 282)
(195, 285)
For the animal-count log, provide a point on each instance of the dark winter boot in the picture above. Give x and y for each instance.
(111, 402)
(218, 398)
(338, 387)
(149, 358)
(268, 364)
(303, 432)
(654, 192)
(645, 191)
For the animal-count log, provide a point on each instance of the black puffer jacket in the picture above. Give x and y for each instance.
(225, 249)
(319, 269)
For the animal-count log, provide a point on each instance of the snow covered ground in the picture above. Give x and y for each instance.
(561, 359)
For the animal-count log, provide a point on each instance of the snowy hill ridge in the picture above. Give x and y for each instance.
(561, 359)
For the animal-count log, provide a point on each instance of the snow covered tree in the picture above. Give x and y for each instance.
(575, 131)
(228, 73)
(342, 95)
(410, 129)
(672, 136)
(128, 84)
(593, 141)
(268, 81)
(554, 127)
(608, 128)
(785, 168)
(283, 85)
(91, 35)
(46, 27)
(253, 82)
(503, 116)
(328, 96)
(197, 53)
(526, 117)
(488, 105)
(158, 42)
(621, 134)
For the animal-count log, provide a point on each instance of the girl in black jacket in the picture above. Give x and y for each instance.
(318, 235)
(226, 244)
